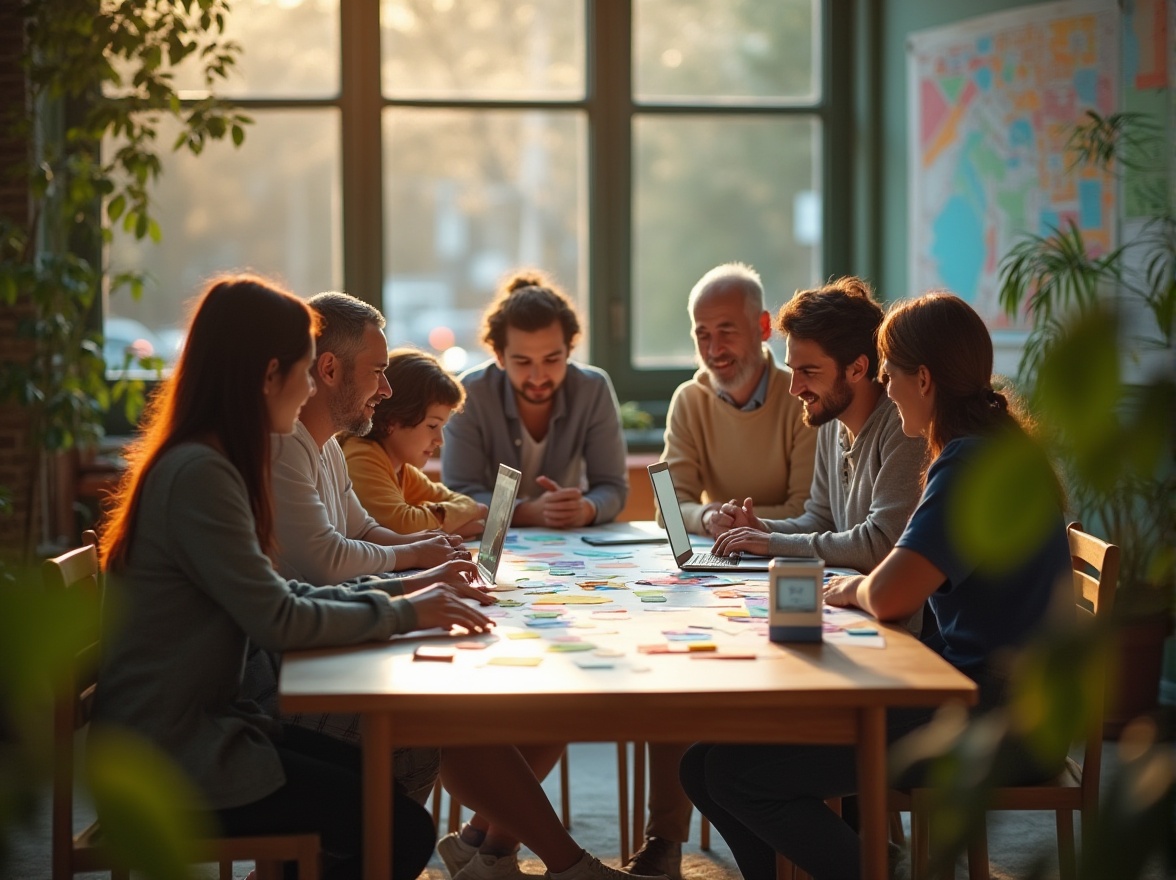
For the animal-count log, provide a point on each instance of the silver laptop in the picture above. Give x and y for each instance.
(684, 554)
(506, 487)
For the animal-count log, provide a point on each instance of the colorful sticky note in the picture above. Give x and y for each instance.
(514, 661)
(570, 647)
(572, 599)
(522, 634)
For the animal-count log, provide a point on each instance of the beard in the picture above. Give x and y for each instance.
(536, 395)
(743, 372)
(348, 412)
(832, 404)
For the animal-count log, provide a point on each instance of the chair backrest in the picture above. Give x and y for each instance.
(1096, 577)
(75, 570)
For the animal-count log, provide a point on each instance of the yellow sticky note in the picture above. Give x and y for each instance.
(524, 634)
(573, 599)
(514, 661)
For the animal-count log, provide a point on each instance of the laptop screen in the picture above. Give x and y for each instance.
(498, 520)
(667, 502)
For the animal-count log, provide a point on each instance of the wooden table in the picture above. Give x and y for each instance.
(825, 693)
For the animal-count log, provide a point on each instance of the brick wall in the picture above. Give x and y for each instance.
(15, 459)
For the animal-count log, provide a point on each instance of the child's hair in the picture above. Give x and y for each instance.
(418, 381)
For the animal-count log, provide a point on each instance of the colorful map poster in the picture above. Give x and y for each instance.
(992, 103)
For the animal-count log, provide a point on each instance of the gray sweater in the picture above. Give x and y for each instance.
(176, 620)
(861, 499)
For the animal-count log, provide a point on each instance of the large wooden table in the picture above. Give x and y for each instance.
(820, 693)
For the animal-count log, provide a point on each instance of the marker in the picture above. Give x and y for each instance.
(862, 632)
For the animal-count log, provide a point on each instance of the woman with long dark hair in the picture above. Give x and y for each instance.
(190, 583)
(936, 358)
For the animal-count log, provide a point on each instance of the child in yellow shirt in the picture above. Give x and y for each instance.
(385, 465)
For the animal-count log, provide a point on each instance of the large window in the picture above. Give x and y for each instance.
(414, 151)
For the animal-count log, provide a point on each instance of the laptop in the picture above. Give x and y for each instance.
(506, 487)
(675, 525)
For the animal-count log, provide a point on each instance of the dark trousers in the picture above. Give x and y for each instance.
(768, 799)
(324, 794)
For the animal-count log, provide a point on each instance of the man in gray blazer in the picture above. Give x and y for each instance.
(530, 407)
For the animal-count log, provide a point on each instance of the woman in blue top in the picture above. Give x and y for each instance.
(936, 358)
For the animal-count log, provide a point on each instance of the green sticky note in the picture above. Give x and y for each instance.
(570, 647)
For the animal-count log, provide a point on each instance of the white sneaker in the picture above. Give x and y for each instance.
(455, 852)
(591, 868)
(484, 867)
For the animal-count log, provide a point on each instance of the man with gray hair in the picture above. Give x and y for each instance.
(324, 535)
(737, 401)
(733, 427)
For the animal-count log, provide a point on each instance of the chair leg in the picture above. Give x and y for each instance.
(436, 806)
(454, 814)
(704, 833)
(639, 751)
(269, 870)
(623, 798)
(978, 852)
(1067, 862)
(896, 832)
(919, 843)
(785, 870)
(224, 870)
(565, 796)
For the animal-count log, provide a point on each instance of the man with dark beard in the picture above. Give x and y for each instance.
(733, 430)
(532, 408)
(324, 536)
(867, 475)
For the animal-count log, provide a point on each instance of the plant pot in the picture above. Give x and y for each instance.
(1134, 686)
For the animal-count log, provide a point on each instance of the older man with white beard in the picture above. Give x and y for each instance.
(732, 431)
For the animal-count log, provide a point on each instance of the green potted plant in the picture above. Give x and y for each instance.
(1116, 451)
(99, 79)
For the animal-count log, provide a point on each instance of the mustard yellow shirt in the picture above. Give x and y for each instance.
(404, 502)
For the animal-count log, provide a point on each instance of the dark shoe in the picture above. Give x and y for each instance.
(657, 856)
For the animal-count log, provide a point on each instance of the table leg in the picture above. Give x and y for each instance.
(376, 728)
(871, 758)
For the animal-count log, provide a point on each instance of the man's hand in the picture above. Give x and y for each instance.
(742, 540)
(556, 508)
(715, 519)
(431, 551)
(742, 516)
(441, 605)
(842, 590)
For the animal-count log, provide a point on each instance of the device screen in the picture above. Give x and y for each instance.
(796, 593)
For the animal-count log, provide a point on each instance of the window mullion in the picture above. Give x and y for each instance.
(363, 191)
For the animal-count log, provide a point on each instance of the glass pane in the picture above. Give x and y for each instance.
(493, 49)
(468, 197)
(270, 206)
(291, 50)
(734, 50)
(710, 191)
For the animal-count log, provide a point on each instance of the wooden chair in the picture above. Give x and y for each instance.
(1096, 576)
(76, 853)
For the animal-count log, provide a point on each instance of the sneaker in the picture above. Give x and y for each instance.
(485, 867)
(455, 852)
(591, 868)
(657, 856)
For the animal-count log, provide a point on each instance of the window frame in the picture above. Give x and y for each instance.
(610, 110)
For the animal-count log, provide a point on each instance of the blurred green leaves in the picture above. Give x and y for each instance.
(148, 807)
(94, 70)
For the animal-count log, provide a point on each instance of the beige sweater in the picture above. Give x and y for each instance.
(717, 452)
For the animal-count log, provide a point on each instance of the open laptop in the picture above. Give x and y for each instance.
(506, 487)
(684, 554)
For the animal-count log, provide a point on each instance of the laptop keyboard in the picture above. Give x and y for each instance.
(712, 559)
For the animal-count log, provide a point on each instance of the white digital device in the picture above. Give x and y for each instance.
(795, 599)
